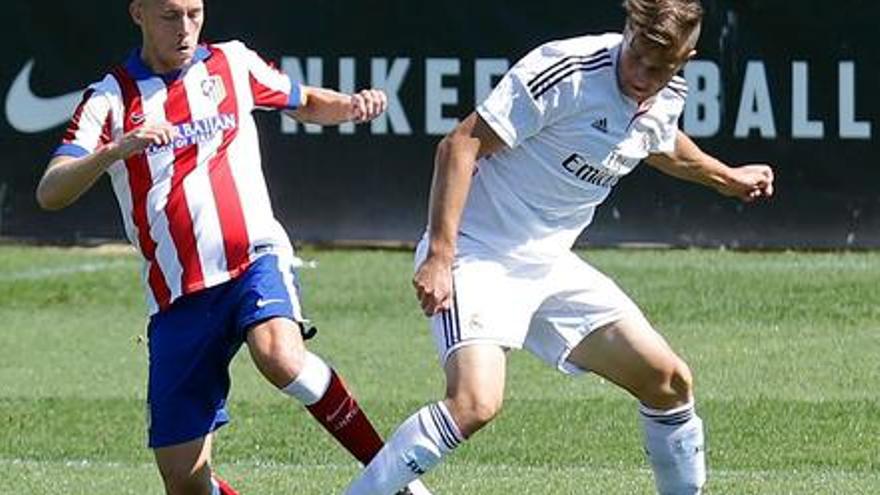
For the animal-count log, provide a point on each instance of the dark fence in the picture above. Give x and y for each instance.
(790, 83)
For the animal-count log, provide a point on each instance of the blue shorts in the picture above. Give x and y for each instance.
(192, 343)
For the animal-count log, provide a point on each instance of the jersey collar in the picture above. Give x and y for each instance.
(140, 70)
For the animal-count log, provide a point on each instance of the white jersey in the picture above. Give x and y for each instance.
(571, 134)
(197, 209)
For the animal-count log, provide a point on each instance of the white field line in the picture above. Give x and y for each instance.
(491, 469)
(86, 464)
(60, 271)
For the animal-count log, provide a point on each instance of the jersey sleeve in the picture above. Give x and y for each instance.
(90, 127)
(662, 127)
(270, 88)
(531, 96)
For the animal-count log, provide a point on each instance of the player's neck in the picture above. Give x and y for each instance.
(155, 63)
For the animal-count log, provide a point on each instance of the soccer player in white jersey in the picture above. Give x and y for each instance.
(172, 127)
(514, 185)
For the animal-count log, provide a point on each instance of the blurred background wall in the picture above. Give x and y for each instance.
(790, 83)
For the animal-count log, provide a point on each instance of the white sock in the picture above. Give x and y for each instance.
(215, 489)
(416, 487)
(419, 444)
(312, 382)
(675, 447)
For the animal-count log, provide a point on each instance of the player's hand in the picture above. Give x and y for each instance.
(137, 140)
(749, 182)
(433, 284)
(368, 104)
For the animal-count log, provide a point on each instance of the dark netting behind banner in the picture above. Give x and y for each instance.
(791, 83)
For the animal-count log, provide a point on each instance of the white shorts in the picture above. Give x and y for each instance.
(546, 308)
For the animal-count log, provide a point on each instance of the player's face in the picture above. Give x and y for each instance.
(171, 30)
(645, 68)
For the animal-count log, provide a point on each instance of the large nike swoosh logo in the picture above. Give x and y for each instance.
(29, 113)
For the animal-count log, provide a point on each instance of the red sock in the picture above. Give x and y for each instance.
(340, 415)
(225, 489)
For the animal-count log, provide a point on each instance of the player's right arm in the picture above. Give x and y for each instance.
(67, 177)
(454, 164)
(512, 113)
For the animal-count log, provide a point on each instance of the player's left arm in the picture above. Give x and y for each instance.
(687, 161)
(327, 107)
(273, 89)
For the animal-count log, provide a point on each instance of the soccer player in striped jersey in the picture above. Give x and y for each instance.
(514, 185)
(172, 127)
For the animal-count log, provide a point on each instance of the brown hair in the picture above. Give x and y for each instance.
(663, 22)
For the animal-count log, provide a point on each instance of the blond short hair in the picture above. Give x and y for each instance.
(666, 23)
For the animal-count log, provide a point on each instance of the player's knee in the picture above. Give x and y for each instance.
(484, 412)
(682, 382)
(669, 386)
(279, 362)
(473, 413)
(285, 366)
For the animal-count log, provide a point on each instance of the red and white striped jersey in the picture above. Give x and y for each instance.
(197, 209)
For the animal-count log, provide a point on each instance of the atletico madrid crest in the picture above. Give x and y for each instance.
(214, 89)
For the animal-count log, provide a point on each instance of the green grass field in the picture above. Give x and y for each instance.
(785, 348)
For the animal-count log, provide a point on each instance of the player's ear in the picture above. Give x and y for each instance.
(136, 10)
(692, 41)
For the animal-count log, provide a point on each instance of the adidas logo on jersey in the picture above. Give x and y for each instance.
(601, 125)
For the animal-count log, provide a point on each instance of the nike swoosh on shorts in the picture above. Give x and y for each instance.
(262, 303)
(29, 113)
